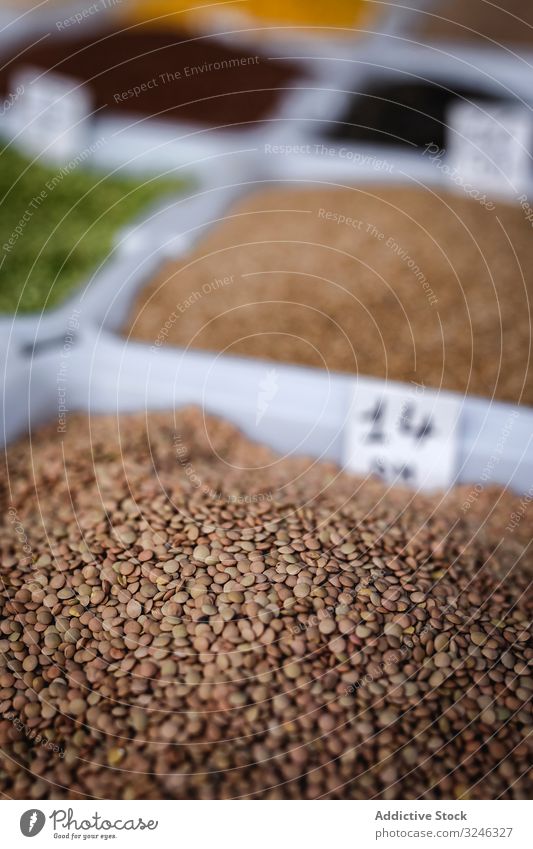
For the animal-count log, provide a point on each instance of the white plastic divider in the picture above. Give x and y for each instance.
(387, 824)
(309, 414)
(96, 370)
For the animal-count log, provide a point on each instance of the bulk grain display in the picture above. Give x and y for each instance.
(186, 615)
(59, 222)
(164, 74)
(409, 284)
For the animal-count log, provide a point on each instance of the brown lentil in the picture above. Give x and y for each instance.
(422, 286)
(300, 684)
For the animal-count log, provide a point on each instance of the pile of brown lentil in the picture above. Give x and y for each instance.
(185, 615)
(394, 282)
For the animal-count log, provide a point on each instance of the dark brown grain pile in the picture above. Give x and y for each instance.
(402, 113)
(408, 285)
(172, 626)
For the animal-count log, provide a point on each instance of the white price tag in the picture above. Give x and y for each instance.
(51, 116)
(490, 145)
(402, 434)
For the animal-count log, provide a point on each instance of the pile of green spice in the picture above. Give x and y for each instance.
(57, 223)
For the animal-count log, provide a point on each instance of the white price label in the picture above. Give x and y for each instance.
(490, 145)
(402, 434)
(51, 116)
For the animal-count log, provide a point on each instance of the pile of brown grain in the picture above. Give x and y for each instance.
(174, 626)
(412, 285)
(489, 24)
